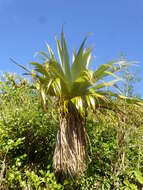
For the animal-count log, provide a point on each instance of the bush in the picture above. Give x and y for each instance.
(27, 140)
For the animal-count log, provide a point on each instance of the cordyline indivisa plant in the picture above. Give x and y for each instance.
(77, 88)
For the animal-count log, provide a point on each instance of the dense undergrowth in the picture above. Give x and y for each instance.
(27, 141)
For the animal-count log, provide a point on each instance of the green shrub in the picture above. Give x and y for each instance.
(27, 140)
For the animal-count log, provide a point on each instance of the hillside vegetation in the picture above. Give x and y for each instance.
(28, 136)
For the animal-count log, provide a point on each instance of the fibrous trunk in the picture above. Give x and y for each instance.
(70, 151)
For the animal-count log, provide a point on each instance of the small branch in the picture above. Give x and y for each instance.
(3, 168)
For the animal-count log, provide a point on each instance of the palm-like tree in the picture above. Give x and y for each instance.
(76, 88)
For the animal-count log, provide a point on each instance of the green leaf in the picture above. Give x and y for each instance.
(66, 62)
(43, 95)
(90, 101)
(64, 57)
(139, 176)
(59, 52)
(78, 102)
(99, 73)
(77, 64)
(50, 51)
(39, 68)
(106, 84)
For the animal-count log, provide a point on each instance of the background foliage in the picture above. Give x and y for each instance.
(27, 140)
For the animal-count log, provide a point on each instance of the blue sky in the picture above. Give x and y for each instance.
(115, 27)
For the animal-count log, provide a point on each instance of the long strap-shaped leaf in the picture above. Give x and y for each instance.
(66, 61)
(64, 57)
(106, 84)
(77, 64)
(129, 100)
(108, 69)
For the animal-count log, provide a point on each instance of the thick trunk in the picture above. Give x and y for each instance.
(70, 151)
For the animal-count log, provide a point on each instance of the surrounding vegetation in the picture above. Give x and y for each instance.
(64, 130)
